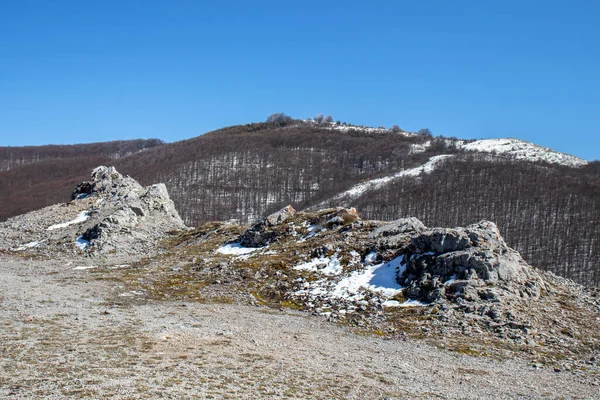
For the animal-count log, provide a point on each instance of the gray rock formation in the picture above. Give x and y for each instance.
(265, 232)
(450, 262)
(397, 233)
(109, 213)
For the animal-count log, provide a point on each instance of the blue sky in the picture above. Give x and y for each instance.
(84, 71)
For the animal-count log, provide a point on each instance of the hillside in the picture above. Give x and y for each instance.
(11, 157)
(544, 203)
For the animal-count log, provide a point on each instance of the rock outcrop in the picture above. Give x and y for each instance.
(451, 262)
(351, 264)
(109, 213)
(266, 231)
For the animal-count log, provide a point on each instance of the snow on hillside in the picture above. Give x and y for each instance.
(366, 129)
(357, 190)
(522, 150)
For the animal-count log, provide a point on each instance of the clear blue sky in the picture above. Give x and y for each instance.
(83, 71)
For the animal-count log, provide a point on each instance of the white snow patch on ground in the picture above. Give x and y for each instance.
(378, 278)
(311, 229)
(83, 216)
(522, 150)
(235, 249)
(450, 280)
(26, 246)
(371, 258)
(366, 129)
(84, 267)
(132, 293)
(82, 243)
(357, 190)
(407, 303)
(324, 265)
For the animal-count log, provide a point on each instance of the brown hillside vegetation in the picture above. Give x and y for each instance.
(11, 157)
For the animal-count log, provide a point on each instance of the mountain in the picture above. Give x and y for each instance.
(546, 204)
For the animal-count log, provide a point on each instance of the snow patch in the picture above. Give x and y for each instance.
(84, 267)
(324, 265)
(419, 147)
(365, 129)
(407, 303)
(450, 280)
(81, 217)
(132, 293)
(522, 150)
(358, 190)
(26, 246)
(82, 243)
(377, 278)
(311, 229)
(371, 258)
(235, 249)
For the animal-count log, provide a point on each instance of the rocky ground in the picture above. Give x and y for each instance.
(70, 332)
(110, 295)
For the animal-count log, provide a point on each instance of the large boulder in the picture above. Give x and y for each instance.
(450, 261)
(397, 233)
(109, 213)
(129, 213)
(266, 231)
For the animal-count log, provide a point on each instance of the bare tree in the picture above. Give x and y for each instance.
(395, 129)
(328, 119)
(424, 132)
(279, 118)
(319, 118)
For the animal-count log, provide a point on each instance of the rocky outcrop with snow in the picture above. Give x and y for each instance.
(109, 213)
(335, 264)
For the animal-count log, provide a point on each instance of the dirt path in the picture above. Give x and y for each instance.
(64, 333)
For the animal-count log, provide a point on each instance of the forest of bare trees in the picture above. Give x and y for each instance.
(11, 157)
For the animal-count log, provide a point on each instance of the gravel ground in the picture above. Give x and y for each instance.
(66, 332)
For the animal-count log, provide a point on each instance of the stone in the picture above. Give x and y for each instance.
(110, 213)
(401, 226)
(266, 232)
(278, 217)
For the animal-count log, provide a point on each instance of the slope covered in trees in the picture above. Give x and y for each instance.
(11, 157)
